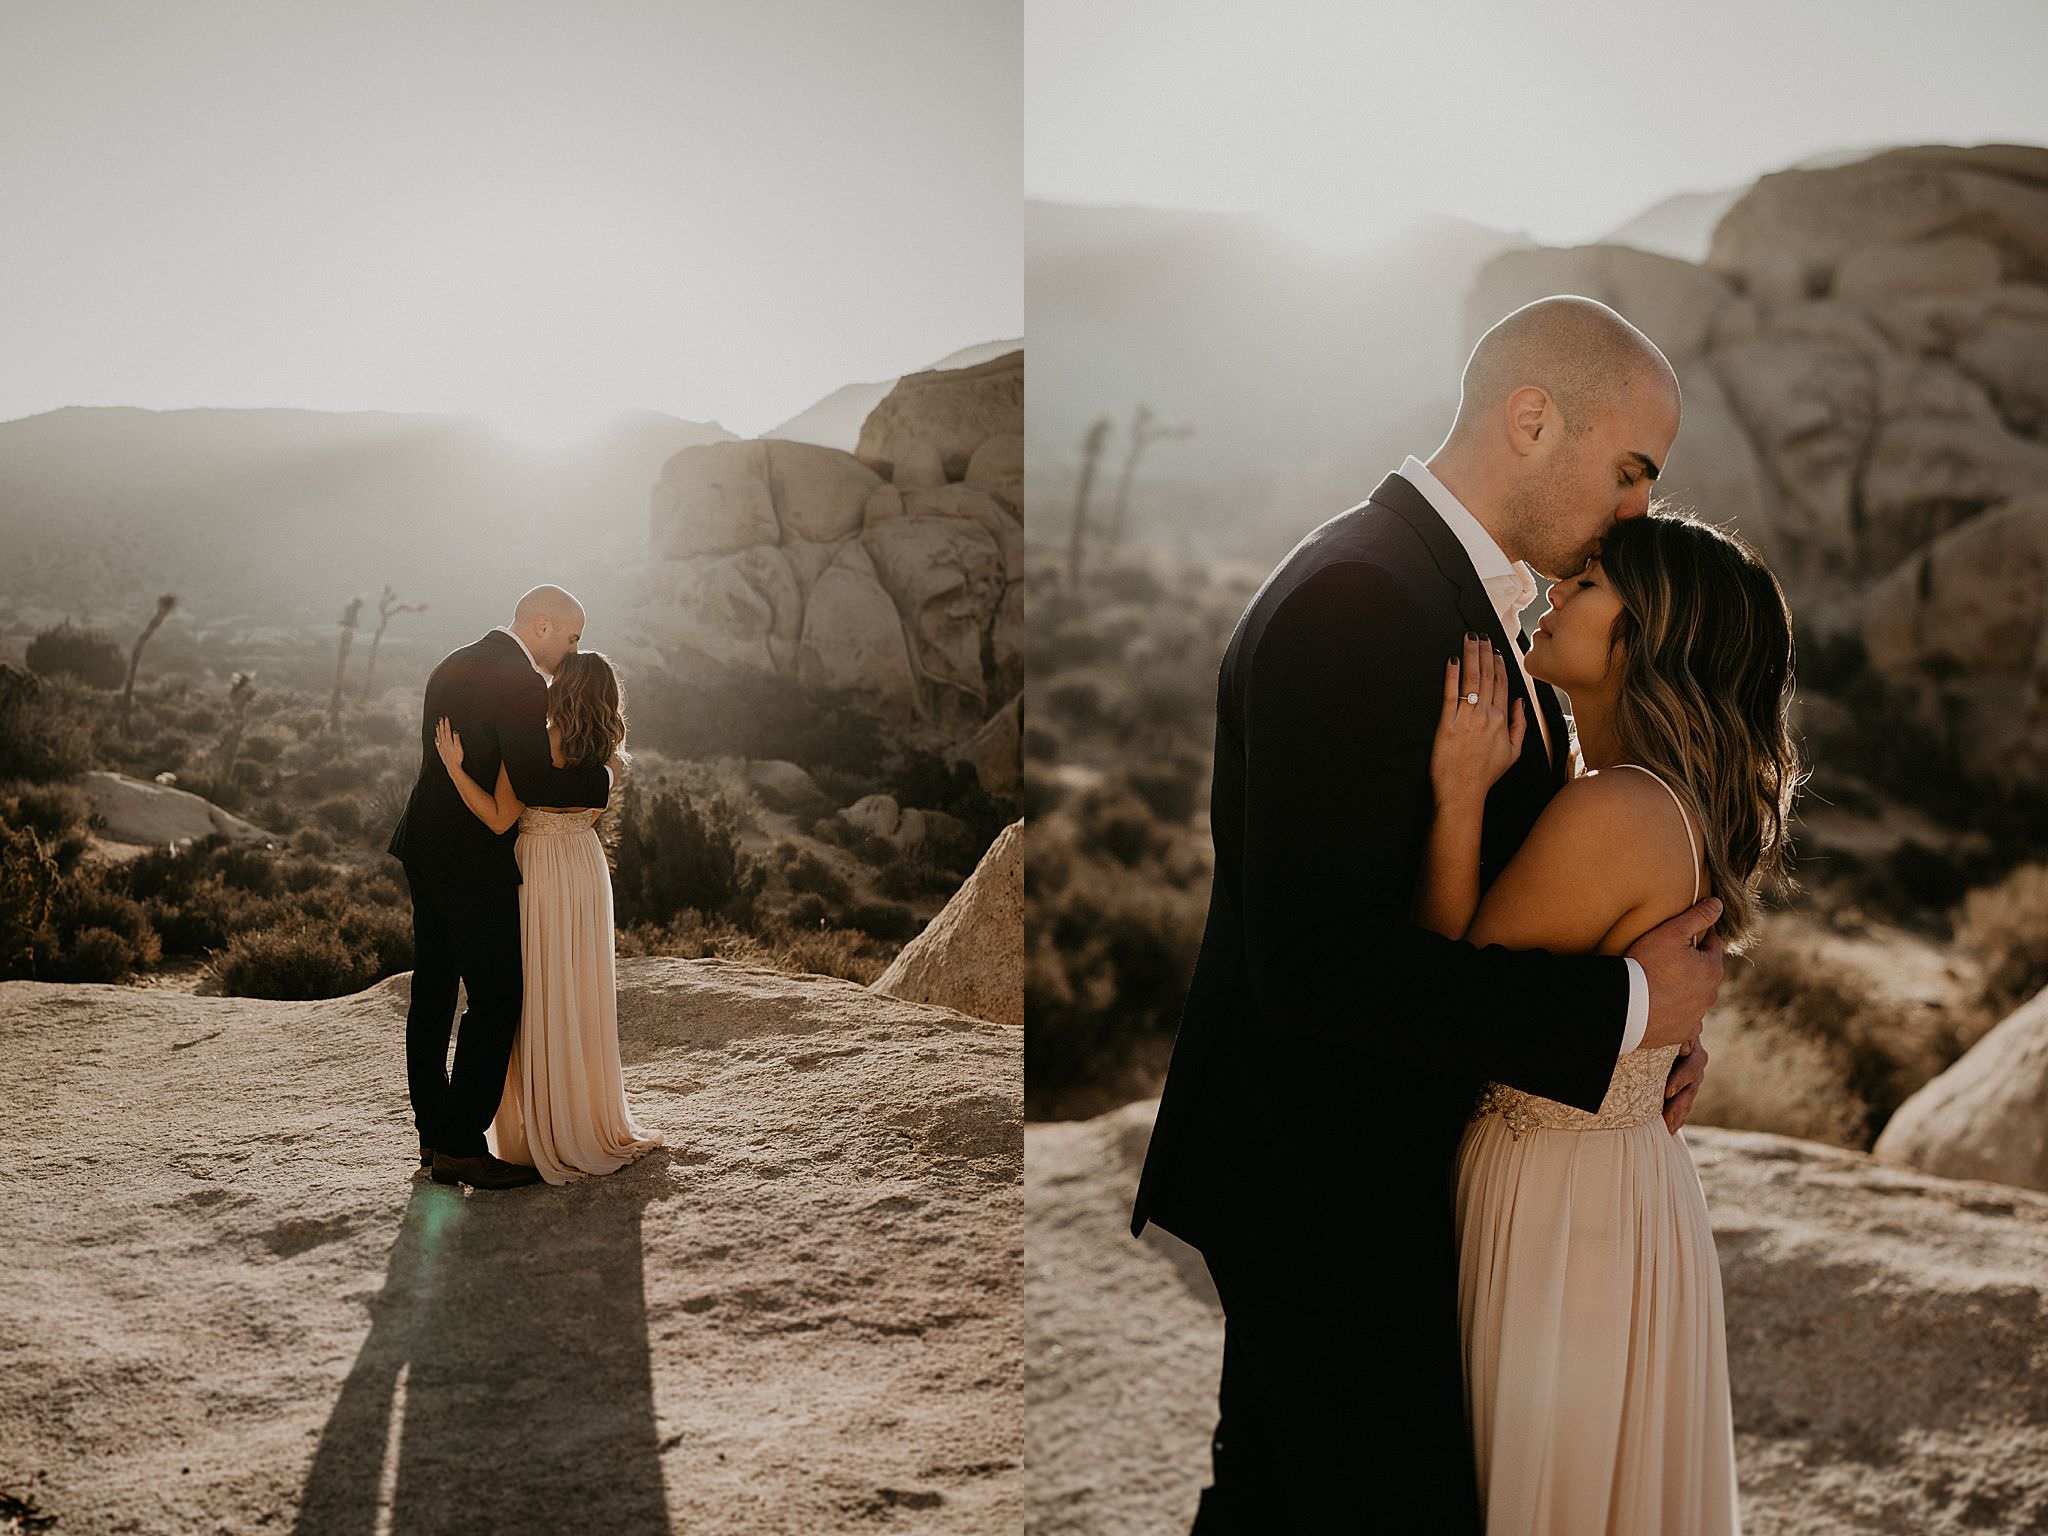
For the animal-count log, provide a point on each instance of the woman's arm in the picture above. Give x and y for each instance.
(495, 811)
(1475, 744)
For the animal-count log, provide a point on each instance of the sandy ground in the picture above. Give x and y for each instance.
(228, 1303)
(1888, 1341)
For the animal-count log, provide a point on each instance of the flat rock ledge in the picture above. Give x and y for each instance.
(1888, 1341)
(231, 1305)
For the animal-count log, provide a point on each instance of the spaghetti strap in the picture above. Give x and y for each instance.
(1690, 846)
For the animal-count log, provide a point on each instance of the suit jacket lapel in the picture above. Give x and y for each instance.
(1397, 496)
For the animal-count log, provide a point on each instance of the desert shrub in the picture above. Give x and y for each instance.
(1128, 584)
(910, 877)
(1173, 784)
(85, 654)
(387, 803)
(808, 911)
(243, 865)
(87, 900)
(2006, 925)
(884, 920)
(298, 959)
(312, 840)
(28, 885)
(830, 954)
(675, 854)
(385, 730)
(1875, 1050)
(41, 739)
(207, 914)
(1118, 823)
(261, 747)
(805, 871)
(52, 809)
(100, 954)
(342, 813)
(1078, 702)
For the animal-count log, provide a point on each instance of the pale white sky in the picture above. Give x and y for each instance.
(538, 212)
(1341, 121)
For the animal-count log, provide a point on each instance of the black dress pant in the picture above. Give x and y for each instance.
(468, 934)
(1334, 1416)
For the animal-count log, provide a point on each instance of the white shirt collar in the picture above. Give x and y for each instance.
(501, 629)
(1509, 583)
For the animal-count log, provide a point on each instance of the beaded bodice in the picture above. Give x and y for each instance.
(539, 823)
(1634, 1095)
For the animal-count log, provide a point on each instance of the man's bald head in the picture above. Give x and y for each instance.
(1582, 354)
(550, 621)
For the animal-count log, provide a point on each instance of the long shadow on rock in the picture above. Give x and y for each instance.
(506, 1383)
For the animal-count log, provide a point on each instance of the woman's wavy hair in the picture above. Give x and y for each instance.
(1705, 639)
(589, 704)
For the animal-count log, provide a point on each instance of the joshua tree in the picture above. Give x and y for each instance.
(164, 605)
(1091, 450)
(231, 745)
(348, 635)
(1143, 430)
(388, 608)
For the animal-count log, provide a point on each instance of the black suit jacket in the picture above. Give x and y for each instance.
(1330, 1049)
(498, 704)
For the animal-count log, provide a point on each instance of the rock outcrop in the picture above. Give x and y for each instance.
(1986, 1117)
(143, 812)
(951, 411)
(234, 1306)
(1864, 359)
(1886, 1337)
(971, 956)
(895, 574)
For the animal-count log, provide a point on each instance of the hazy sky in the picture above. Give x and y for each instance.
(1342, 121)
(540, 212)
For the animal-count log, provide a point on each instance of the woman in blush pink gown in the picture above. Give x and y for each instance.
(1589, 1293)
(564, 1110)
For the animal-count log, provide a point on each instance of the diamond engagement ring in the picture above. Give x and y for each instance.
(1471, 698)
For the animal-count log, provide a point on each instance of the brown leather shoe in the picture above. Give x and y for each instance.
(482, 1171)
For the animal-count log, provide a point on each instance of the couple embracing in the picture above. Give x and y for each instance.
(512, 898)
(1422, 1117)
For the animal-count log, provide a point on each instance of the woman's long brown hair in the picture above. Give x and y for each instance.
(1705, 640)
(588, 703)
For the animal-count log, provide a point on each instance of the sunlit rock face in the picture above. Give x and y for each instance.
(1864, 362)
(894, 573)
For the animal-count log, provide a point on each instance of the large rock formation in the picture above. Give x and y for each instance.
(1986, 1117)
(971, 956)
(233, 1305)
(896, 574)
(1885, 1332)
(954, 411)
(1864, 358)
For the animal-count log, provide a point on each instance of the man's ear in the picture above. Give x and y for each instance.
(1529, 413)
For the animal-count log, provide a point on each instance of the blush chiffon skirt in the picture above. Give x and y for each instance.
(564, 1108)
(1589, 1301)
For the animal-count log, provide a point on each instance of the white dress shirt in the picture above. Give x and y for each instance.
(1511, 587)
(609, 778)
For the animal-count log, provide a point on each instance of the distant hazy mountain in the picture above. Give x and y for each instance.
(835, 421)
(279, 514)
(1306, 374)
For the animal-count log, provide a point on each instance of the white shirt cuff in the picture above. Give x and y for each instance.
(1638, 1008)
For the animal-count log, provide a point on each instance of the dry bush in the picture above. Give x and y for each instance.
(2006, 926)
(1803, 1046)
